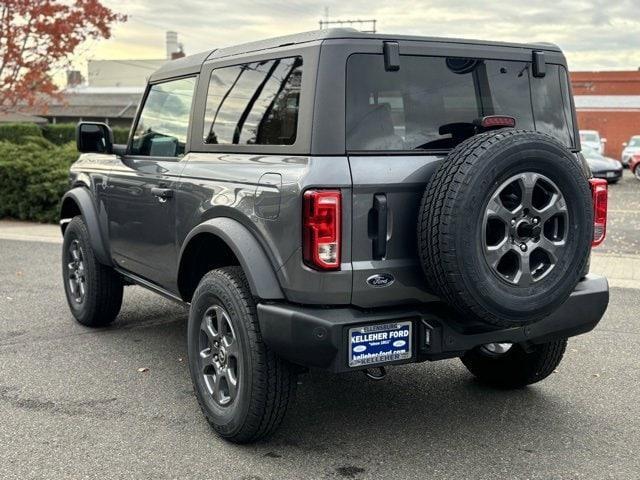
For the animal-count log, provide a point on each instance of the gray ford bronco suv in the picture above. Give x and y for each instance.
(344, 201)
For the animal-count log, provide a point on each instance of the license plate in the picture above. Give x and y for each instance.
(374, 344)
(611, 174)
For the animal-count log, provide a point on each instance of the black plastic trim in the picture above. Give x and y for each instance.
(252, 257)
(317, 337)
(84, 199)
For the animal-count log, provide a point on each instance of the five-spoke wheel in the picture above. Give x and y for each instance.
(525, 228)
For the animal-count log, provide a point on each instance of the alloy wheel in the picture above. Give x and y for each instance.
(496, 349)
(525, 228)
(76, 273)
(219, 357)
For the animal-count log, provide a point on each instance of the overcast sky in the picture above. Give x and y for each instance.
(595, 34)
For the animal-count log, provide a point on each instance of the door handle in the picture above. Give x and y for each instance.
(162, 193)
(379, 226)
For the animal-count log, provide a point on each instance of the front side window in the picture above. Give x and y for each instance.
(162, 128)
(434, 102)
(255, 103)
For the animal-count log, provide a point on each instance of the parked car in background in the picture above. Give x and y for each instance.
(634, 165)
(601, 166)
(591, 139)
(631, 148)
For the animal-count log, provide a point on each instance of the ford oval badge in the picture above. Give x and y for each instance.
(381, 280)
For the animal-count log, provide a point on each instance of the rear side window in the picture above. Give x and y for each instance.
(254, 103)
(432, 102)
(551, 106)
(162, 128)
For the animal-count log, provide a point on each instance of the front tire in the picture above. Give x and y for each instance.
(93, 291)
(518, 366)
(243, 387)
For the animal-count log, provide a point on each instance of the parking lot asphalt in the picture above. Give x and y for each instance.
(73, 403)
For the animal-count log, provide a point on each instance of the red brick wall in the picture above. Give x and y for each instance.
(616, 127)
(606, 83)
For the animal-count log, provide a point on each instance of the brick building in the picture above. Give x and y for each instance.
(610, 103)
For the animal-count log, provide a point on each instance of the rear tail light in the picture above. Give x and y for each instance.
(321, 222)
(599, 194)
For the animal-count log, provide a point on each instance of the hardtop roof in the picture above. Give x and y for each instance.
(192, 63)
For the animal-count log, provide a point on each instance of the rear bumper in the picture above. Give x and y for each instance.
(318, 337)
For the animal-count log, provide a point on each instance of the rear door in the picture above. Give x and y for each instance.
(141, 200)
(399, 127)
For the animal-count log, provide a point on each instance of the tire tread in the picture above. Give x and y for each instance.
(274, 378)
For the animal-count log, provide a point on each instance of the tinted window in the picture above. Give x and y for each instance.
(162, 128)
(548, 105)
(433, 102)
(254, 103)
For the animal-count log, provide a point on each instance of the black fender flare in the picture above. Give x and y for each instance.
(83, 198)
(259, 271)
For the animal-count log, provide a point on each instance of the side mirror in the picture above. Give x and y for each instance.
(624, 144)
(604, 140)
(94, 137)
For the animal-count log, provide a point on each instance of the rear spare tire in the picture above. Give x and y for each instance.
(505, 227)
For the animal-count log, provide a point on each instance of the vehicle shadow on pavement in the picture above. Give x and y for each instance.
(418, 405)
(425, 407)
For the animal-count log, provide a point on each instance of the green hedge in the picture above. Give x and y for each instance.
(34, 168)
(62, 133)
(120, 135)
(33, 179)
(18, 132)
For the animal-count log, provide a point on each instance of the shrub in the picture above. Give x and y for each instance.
(16, 132)
(40, 141)
(60, 133)
(33, 179)
(120, 135)
(34, 168)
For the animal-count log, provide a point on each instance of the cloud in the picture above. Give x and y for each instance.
(595, 34)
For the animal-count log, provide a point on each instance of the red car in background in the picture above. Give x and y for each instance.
(634, 165)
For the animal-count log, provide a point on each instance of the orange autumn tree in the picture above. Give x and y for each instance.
(37, 39)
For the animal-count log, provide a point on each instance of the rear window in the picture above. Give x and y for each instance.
(432, 102)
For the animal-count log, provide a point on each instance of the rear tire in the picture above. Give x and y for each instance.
(243, 387)
(93, 291)
(517, 367)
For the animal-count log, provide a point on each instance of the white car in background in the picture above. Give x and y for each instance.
(631, 148)
(591, 138)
